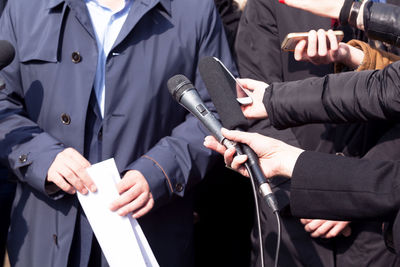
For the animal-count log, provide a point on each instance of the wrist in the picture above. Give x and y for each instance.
(291, 157)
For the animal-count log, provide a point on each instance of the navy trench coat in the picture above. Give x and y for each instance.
(43, 111)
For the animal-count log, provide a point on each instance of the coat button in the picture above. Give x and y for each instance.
(179, 187)
(55, 239)
(66, 119)
(23, 158)
(76, 57)
(100, 134)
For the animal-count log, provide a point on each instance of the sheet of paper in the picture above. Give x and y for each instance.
(121, 238)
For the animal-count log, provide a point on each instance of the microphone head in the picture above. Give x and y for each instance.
(222, 94)
(7, 53)
(177, 85)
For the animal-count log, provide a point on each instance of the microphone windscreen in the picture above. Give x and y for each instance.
(177, 85)
(7, 53)
(222, 94)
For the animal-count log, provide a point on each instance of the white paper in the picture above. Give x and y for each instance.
(121, 238)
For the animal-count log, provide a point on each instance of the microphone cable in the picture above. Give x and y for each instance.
(258, 216)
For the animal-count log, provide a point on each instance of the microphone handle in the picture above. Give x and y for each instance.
(255, 171)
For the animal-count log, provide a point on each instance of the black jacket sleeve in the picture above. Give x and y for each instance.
(344, 97)
(329, 186)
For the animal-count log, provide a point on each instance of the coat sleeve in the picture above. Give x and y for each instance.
(339, 188)
(344, 97)
(179, 161)
(24, 146)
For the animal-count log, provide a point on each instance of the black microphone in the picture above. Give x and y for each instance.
(7, 53)
(224, 99)
(183, 91)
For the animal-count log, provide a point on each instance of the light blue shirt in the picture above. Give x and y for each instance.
(107, 24)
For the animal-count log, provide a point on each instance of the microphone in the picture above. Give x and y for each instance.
(224, 99)
(184, 92)
(7, 53)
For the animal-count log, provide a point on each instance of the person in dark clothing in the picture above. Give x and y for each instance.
(263, 27)
(326, 185)
(230, 15)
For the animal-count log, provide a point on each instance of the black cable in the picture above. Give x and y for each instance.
(278, 220)
(257, 208)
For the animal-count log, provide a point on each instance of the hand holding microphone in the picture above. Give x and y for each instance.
(275, 157)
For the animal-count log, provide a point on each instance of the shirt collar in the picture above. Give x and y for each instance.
(54, 3)
(166, 4)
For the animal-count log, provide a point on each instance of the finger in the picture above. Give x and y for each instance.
(346, 231)
(78, 164)
(228, 156)
(70, 176)
(145, 209)
(338, 228)
(299, 50)
(134, 205)
(127, 182)
(313, 225)
(58, 180)
(125, 198)
(333, 42)
(305, 221)
(312, 44)
(323, 229)
(238, 161)
(212, 143)
(251, 84)
(322, 47)
(238, 136)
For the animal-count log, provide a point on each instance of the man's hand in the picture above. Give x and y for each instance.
(324, 8)
(275, 157)
(256, 89)
(134, 196)
(326, 228)
(68, 172)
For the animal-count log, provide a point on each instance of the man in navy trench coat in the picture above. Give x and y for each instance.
(47, 109)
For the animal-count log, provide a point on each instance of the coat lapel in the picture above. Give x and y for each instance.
(78, 7)
(138, 10)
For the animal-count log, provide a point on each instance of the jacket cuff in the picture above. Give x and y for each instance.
(32, 160)
(161, 174)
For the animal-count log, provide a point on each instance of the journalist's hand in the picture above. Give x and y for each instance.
(68, 172)
(255, 90)
(326, 228)
(135, 195)
(322, 47)
(276, 157)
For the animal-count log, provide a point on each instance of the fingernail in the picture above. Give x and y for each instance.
(84, 191)
(282, 1)
(120, 212)
(93, 188)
